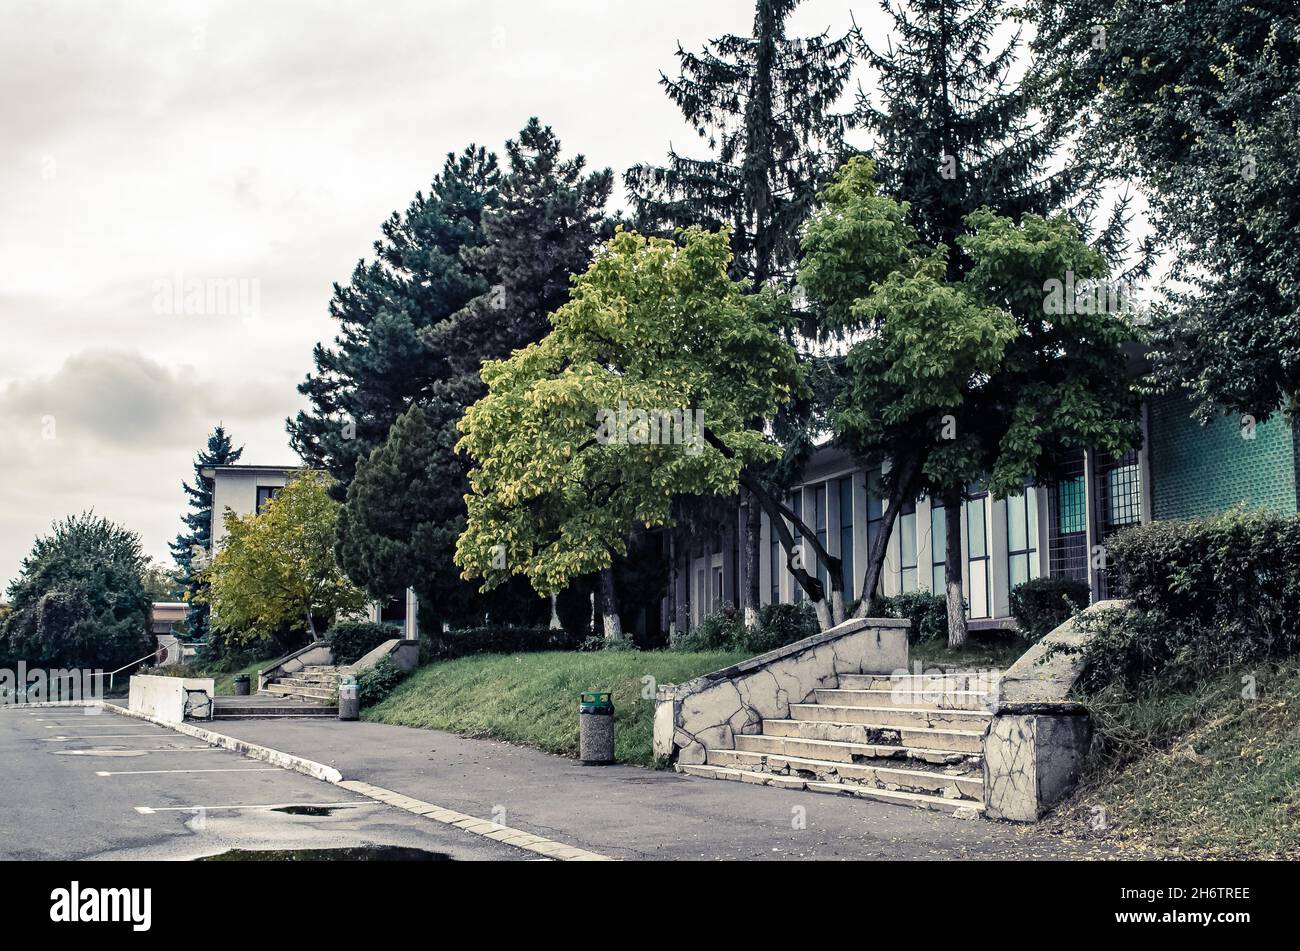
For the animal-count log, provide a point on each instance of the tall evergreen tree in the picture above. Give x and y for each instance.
(380, 363)
(541, 229)
(766, 103)
(219, 451)
(952, 131)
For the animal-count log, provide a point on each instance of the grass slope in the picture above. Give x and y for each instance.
(532, 699)
(1201, 773)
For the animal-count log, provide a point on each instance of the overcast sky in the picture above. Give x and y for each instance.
(257, 146)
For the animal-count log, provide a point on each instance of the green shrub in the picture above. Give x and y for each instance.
(349, 641)
(717, 632)
(778, 625)
(1043, 604)
(376, 683)
(1238, 572)
(927, 612)
(504, 639)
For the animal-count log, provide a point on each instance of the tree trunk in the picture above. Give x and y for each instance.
(776, 514)
(903, 486)
(957, 627)
(753, 561)
(311, 627)
(609, 606)
(555, 614)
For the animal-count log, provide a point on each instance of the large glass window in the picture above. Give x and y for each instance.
(1022, 537)
(938, 545)
(907, 546)
(846, 535)
(819, 525)
(774, 569)
(265, 493)
(796, 504)
(977, 554)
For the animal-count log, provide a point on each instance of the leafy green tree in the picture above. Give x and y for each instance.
(274, 576)
(80, 599)
(955, 381)
(380, 362)
(766, 103)
(644, 391)
(1200, 102)
(220, 451)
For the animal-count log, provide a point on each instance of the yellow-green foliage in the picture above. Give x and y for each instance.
(276, 569)
(651, 326)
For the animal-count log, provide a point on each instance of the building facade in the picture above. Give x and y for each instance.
(1183, 469)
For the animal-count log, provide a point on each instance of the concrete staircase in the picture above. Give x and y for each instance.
(316, 682)
(915, 740)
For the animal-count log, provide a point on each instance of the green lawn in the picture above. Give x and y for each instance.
(974, 654)
(532, 699)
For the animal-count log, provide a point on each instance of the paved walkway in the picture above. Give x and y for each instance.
(632, 813)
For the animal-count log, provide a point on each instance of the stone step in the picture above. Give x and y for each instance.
(312, 683)
(933, 699)
(927, 781)
(909, 717)
(274, 713)
(840, 752)
(307, 693)
(876, 734)
(959, 808)
(977, 681)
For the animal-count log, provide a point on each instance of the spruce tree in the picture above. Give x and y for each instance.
(219, 451)
(380, 363)
(766, 104)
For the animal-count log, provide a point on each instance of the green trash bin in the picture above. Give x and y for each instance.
(596, 727)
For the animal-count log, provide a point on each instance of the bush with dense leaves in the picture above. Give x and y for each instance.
(349, 641)
(927, 612)
(504, 639)
(377, 682)
(1042, 604)
(1206, 595)
(778, 625)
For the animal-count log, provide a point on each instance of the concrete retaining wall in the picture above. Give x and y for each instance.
(707, 712)
(163, 698)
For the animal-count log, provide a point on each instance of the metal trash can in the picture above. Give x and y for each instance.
(242, 685)
(596, 728)
(349, 700)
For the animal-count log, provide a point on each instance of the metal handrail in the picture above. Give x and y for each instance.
(112, 673)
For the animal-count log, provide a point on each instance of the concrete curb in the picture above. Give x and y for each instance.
(517, 838)
(265, 754)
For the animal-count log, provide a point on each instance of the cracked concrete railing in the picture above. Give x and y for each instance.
(705, 713)
(1035, 746)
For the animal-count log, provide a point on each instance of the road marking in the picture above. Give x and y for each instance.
(152, 772)
(484, 827)
(95, 736)
(130, 752)
(150, 810)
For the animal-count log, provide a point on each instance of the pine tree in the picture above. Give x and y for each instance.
(952, 131)
(542, 228)
(380, 363)
(766, 105)
(219, 451)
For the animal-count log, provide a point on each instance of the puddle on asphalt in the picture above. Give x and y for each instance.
(365, 853)
(308, 810)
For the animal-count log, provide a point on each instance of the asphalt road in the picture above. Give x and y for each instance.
(75, 785)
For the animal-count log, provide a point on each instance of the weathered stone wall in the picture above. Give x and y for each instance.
(705, 713)
(1035, 746)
